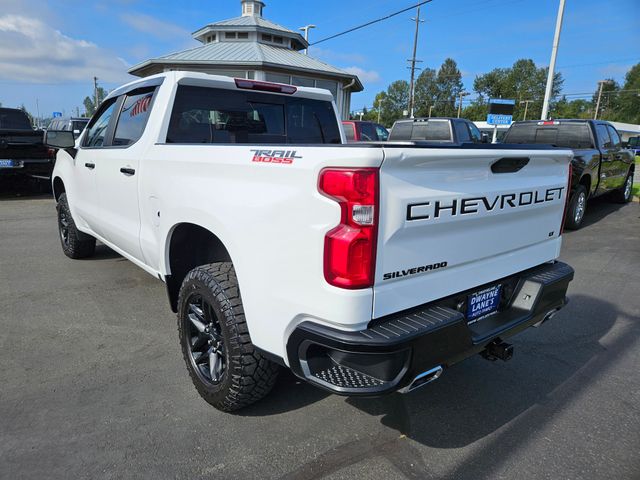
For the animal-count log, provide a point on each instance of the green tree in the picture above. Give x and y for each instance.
(579, 108)
(89, 104)
(476, 111)
(609, 101)
(426, 92)
(392, 103)
(448, 87)
(629, 98)
(522, 81)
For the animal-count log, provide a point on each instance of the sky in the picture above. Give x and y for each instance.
(51, 50)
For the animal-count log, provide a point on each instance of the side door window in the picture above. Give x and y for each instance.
(96, 136)
(604, 141)
(367, 132)
(383, 134)
(461, 131)
(133, 117)
(615, 138)
(476, 136)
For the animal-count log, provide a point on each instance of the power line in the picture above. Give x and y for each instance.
(372, 22)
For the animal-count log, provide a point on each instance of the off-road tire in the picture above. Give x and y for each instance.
(574, 220)
(75, 244)
(624, 195)
(248, 376)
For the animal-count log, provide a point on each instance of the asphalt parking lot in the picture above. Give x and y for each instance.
(92, 382)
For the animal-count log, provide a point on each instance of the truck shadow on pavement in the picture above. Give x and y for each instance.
(599, 208)
(503, 403)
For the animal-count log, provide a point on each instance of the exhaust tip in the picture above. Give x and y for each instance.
(422, 379)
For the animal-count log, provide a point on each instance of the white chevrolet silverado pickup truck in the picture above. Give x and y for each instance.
(364, 268)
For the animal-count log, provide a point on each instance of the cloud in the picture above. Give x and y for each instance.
(367, 76)
(153, 26)
(33, 52)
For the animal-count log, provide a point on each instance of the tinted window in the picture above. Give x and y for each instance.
(349, 131)
(566, 135)
(14, 120)
(133, 117)
(436, 130)
(209, 115)
(634, 141)
(604, 141)
(401, 131)
(367, 132)
(79, 124)
(382, 132)
(95, 137)
(462, 132)
(615, 138)
(476, 136)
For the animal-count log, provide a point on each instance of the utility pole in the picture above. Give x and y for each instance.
(412, 86)
(379, 109)
(95, 94)
(306, 29)
(552, 64)
(462, 94)
(38, 123)
(526, 107)
(600, 84)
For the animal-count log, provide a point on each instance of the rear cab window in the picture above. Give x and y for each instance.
(214, 115)
(14, 120)
(434, 130)
(575, 135)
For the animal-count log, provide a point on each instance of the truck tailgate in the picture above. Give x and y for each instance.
(455, 219)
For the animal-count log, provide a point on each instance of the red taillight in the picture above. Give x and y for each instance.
(568, 196)
(350, 248)
(265, 86)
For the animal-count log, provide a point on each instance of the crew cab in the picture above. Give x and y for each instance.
(600, 162)
(22, 151)
(437, 129)
(363, 131)
(364, 268)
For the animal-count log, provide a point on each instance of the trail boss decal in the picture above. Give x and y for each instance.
(414, 271)
(285, 157)
(475, 205)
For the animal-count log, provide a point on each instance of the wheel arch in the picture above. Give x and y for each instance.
(58, 187)
(189, 245)
(586, 180)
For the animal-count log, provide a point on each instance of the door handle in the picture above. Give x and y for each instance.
(90, 166)
(128, 171)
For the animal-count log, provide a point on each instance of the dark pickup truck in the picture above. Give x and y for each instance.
(600, 164)
(21, 149)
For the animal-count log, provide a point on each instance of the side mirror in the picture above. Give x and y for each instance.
(485, 138)
(59, 139)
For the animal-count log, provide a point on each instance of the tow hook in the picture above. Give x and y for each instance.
(498, 350)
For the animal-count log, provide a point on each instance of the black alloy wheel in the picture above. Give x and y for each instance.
(206, 343)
